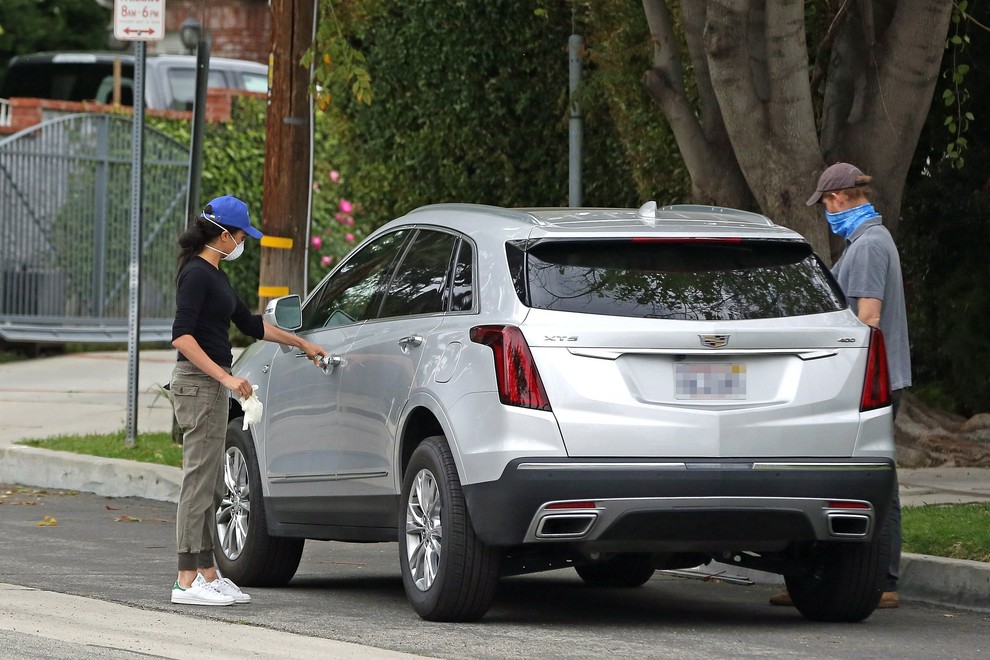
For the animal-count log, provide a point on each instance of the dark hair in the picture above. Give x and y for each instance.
(199, 232)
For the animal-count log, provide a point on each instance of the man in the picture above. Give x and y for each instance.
(869, 272)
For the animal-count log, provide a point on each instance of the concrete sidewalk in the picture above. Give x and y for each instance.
(87, 393)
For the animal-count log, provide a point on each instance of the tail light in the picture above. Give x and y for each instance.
(519, 382)
(876, 385)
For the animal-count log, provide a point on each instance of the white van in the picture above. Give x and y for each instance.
(170, 80)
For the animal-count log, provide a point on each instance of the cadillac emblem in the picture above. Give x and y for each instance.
(714, 341)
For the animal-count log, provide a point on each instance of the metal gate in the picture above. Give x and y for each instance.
(65, 228)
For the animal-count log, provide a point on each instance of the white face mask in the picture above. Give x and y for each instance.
(237, 251)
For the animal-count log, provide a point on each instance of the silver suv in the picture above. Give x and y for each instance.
(613, 390)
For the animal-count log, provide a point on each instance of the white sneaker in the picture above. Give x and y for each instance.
(228, 588)
(200, 592)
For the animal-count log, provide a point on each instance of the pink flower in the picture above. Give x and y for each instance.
(316, 185)
(340, 217)
(334, 176)
(346, 206)
(317, 242)
(349, 221)
(349, 238)
(326, 260)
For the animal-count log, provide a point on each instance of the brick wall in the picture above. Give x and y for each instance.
(25, 113)
(241, 29)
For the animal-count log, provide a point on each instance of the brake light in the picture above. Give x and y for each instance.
(687, 239)
(518, 380)
(846, 504)
(876, 385)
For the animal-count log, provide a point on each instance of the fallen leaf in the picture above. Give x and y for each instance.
(23, 503)
(48, 521)
(126, 518)
(111, 508)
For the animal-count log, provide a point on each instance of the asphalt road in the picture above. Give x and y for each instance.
(122, 550)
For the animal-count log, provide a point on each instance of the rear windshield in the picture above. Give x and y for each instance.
(703, 280)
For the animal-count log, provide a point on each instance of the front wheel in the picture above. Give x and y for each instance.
(845, 582)
(448, 573)
(245, 552)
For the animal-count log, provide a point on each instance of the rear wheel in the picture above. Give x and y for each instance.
(627, 570)
(845, 582)
(245, 552)
(448, 573)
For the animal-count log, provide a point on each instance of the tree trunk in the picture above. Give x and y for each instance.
(755, 119)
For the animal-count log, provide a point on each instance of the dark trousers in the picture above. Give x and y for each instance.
(894, 519)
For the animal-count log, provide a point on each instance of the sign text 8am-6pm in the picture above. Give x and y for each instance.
(138, 20)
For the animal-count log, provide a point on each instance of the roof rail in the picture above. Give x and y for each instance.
(736, 215)
(512, 214)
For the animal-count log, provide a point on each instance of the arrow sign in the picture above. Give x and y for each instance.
(138, 20)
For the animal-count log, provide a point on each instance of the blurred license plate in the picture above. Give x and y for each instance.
(705, 380)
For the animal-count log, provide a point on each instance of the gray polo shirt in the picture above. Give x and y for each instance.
(871, 268)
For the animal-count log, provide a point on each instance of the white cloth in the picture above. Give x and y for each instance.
(252, 408)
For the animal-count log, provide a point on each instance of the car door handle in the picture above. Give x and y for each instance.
(329, 362)
(408, 342)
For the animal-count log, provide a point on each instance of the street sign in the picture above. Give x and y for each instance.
(138, 20)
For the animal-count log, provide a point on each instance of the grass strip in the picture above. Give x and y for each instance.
(148, 447)
(957, 531)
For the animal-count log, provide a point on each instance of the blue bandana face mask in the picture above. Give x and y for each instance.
(844, 223)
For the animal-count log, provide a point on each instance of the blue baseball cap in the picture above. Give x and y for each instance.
(231, 212)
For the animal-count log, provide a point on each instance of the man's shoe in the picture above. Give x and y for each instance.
(200, 592)
(889, 601)
(783, 598)
(228, 588)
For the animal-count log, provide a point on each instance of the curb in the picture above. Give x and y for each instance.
(111, 477)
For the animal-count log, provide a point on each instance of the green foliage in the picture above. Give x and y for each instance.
(956, 96)
(621, 50)
(467, 113)
(334, 60)
(30, 26)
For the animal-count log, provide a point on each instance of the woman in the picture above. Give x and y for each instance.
(205, 306)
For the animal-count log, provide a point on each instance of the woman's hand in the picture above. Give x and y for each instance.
(239, 386)
(313, 352)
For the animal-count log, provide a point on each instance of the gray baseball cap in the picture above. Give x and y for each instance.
(836, 177)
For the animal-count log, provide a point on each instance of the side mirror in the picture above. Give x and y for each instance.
(284, 312)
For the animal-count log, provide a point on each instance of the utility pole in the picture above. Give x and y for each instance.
(285, 198)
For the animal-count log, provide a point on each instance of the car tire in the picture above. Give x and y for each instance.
(448, 573)
(845, 582)
(625, 570)
(244, 550)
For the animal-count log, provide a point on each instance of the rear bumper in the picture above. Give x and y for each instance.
(682, 505)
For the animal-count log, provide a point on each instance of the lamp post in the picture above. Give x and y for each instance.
(189, 33)
(195, 38)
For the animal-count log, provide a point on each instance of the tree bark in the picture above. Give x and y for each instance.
(755, 118)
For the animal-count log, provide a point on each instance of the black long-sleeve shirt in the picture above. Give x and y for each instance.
(205, 305)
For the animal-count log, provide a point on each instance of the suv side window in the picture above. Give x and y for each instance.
(421, 283)
(345, 297)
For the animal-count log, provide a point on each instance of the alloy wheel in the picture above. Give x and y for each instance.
(234, 511)
(424, 530)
